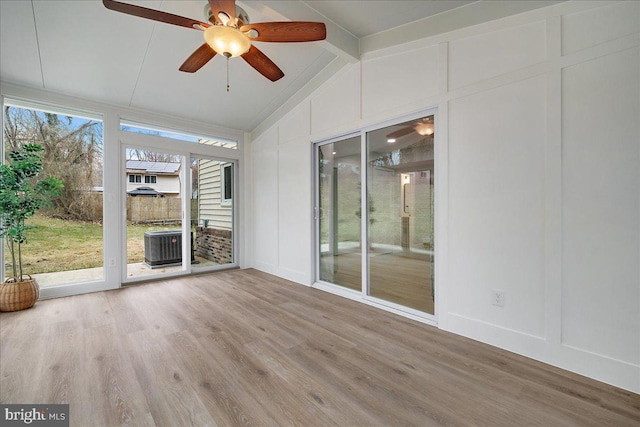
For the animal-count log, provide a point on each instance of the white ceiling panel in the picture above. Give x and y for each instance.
(19, 56)
(82, 49)
(90, 51)
(363, 18)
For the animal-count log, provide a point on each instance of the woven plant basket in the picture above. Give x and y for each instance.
(16, 296)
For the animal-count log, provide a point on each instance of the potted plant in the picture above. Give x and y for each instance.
(22, 193)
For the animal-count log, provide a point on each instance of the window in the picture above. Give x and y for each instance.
(226, 176)
(66, 242)
(135, 179)
(134, 127)
(150, 179)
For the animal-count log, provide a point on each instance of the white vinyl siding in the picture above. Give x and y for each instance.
(210, 205)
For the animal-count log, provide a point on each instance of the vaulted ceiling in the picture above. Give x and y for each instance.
(82, 49)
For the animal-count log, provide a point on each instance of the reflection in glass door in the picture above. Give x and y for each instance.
(339, 213)
(400, 183)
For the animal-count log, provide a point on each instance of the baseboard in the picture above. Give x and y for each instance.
(611, 371)
(74, 289)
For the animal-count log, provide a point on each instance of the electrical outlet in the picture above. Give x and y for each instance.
(112, 262)
(497, 297)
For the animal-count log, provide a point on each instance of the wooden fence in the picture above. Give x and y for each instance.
(154, 209)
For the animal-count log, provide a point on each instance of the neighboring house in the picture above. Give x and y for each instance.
(215, 194)
(163, 177)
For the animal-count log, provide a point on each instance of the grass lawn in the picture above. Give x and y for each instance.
(58, 245)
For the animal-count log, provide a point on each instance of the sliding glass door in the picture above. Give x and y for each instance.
(400, 184)
(338, 212)
(181, 198)
(212, 212)
(394, 241)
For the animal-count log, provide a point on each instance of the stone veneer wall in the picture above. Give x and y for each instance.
(214, 244)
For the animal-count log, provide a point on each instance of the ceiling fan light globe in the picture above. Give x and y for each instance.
(424, 129)
(227, 41)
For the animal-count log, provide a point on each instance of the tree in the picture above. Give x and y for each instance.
(72, 152)
(23, 192)
(151, 156)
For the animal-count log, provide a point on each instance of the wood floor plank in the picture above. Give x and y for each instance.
(59, 379)
(124, 311)
(17, 364)
(171, 400)
(387, 404)
(116, 399)
(219, 390)
(247, 348)
(311, 390)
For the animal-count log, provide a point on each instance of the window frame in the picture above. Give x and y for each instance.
(13, 98)
(226, 201)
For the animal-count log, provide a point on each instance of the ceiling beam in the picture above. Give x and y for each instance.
(339, 41)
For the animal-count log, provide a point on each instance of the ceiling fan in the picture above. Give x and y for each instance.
(423, 127)
(230, 34)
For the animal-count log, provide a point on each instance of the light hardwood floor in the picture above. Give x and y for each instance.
(247, 348)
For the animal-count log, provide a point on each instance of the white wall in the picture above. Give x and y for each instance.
(537, 174)
(281, 168)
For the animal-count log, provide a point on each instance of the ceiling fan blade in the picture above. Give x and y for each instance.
(154, 15)
(201, 56)
(263, 64)
(228, 7)
(287, 31)
(401, 132)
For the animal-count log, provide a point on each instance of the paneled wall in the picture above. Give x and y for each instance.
(537, 165)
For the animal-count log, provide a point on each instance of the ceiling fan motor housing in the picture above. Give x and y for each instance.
(241, 15)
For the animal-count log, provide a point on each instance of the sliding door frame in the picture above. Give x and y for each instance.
(185, 150)
(331, 287)
(363, 294)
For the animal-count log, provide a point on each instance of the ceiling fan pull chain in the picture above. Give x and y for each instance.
(228, 56)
